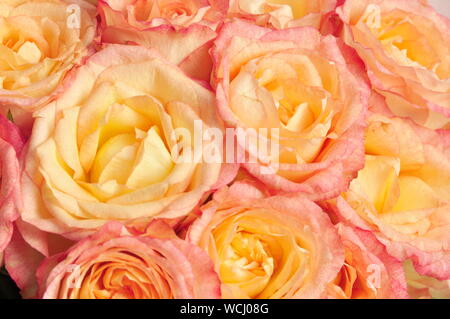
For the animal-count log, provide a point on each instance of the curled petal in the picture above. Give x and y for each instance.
(307, 110)
(369, 271)
(267, 247)
(155, 268)
(404, 45)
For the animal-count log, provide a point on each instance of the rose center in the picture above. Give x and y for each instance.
(112, 280)
(299, 8)
(247, 259)
(125, 148)
(401, 39)
(26, 50)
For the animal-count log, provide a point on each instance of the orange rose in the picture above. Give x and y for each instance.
(304, 93)
(402, 195)
(406, 48)
(268, 247)
(181, 31)
(104, 150)
(40, 42)
(282, 14)
(114, 264)
(369, 272)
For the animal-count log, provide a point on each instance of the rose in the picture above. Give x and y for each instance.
(38, 48)
(180, 30)
(369, 272)
(26, 251)
(405, 46)
(282, 14)
(402, 194)
(304, 94)
(11, 144)
(142, 15)
(423, 287)
(267, 247)
(112, 264)
(111, 148)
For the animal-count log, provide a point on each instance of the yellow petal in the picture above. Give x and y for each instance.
(378, 181)
(107, 154)
(154, 161)
(30, 52)
(66, 141)
(415, 194)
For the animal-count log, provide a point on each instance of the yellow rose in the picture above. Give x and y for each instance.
(406, 48)
(182, 31)
(104, 149)
(40, 42)
(304, 93)
(403, 194)
(266, 247)
(282, 14)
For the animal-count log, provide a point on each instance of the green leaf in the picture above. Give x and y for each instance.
(10, 116)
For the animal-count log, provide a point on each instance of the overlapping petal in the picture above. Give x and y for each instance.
(40, 43)
(11, 145)
(405, 46)
(268, 247)
(402, 194)
(282, 14)
(424, 287)
(113, 264)
(369, 271)
(302, 93)
(181, 31)
(107, 148)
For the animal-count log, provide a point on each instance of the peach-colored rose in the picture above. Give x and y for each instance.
(40, 42)
(282, 14)
(181, 31)
(146, 14)
(104, 150)
(268, 247)
(11, 144)
(403, 195)
(405, 45)
(308, 87)
(423, 287)
(113, 264)
(369, 272)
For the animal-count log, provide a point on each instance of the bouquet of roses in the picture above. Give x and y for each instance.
(225, 149)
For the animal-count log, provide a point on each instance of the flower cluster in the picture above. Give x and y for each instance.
(225, 149)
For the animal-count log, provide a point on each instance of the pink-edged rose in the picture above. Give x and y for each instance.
(304, 94)
(424, 287)
(268, 247)
(282, 14)
(181, 31)
(369, 272)
(107, 149)
(11, 144)
(41, 42)
(406, 48)
(114, 264)
(403, 195)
